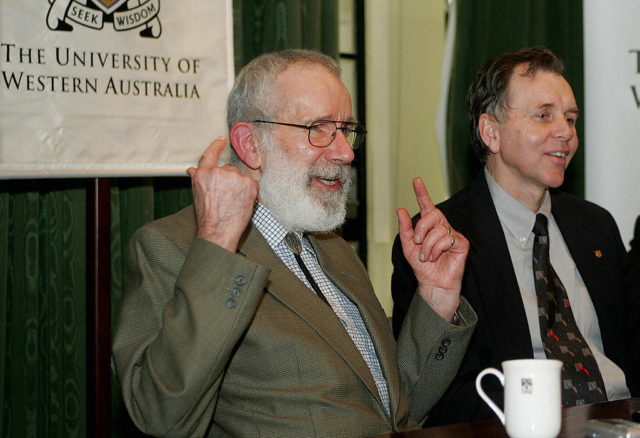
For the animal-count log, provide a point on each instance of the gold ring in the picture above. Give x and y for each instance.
(448, 229)
(453, 240)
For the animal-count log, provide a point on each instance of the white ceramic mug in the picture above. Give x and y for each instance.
(532, 397)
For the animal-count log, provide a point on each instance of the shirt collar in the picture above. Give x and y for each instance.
(270, 228)
(516, 218)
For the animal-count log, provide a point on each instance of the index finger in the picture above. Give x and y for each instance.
(422, 196)
(210, 156)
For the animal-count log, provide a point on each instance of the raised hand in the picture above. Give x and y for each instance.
(223, 198)
(435, 251)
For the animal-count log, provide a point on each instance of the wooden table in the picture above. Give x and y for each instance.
(573, 420)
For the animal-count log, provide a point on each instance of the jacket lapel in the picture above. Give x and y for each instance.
(493, 270)
(348, 274)
(295, 295)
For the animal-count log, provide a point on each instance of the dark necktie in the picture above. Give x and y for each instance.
(581, 379)
(294, 244)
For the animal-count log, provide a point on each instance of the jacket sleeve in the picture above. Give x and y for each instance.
(403, 286)
(184, 310)
(430, 351)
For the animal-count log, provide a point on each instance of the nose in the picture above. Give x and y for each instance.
(339, 151)
(565, 130)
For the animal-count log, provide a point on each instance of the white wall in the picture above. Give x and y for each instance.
(404, 49)
(612, 87)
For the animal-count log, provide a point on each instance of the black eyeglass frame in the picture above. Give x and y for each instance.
(358, 129)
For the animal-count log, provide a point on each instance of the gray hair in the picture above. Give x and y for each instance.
(251, 95)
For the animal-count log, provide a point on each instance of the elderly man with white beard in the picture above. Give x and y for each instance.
(245, 315)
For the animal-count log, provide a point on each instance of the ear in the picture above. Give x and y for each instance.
(243, 142)
(489, 130)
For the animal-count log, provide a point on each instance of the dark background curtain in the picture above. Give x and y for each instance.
(43, 239)
(42, 308)
(486, 28)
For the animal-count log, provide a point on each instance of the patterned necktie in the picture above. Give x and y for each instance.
(581, 379)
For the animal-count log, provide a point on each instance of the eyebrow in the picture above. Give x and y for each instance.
(348, 120)
(575, 111)
(326, 116)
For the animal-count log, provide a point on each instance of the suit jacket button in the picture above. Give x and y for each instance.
(446, 342)
(439, 356)
(236, 292)
(231, 303)
(240, 280)
(442, 349)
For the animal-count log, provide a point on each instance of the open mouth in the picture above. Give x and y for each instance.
(329, 181)
(558, 154)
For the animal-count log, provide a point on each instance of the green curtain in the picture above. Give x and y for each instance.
(486, 28)
(42, 308)
(43, 243)
(265, 25)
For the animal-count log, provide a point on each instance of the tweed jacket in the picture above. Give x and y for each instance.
(211, 343)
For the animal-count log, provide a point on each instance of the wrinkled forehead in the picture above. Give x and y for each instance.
(311, 90)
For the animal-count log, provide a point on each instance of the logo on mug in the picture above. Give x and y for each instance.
(526, 385)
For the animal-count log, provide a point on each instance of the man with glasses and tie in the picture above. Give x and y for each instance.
(246, 316)
(545, 268)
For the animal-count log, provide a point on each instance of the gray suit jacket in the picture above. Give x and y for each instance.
(211, 343)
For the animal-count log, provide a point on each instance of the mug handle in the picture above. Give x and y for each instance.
(484, 396)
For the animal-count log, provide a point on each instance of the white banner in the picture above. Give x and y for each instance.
(111, 87)
(612, 108)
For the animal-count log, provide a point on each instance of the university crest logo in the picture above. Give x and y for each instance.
(124, 15)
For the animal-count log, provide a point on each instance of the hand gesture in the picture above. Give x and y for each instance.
(435, 251)
(222, 197)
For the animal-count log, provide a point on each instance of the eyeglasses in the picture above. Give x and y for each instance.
(322, 132)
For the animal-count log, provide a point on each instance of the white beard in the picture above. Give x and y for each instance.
(285, 189)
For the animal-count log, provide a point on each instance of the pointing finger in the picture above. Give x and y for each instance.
(210, 157)
(422, 195)
(405, 228)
